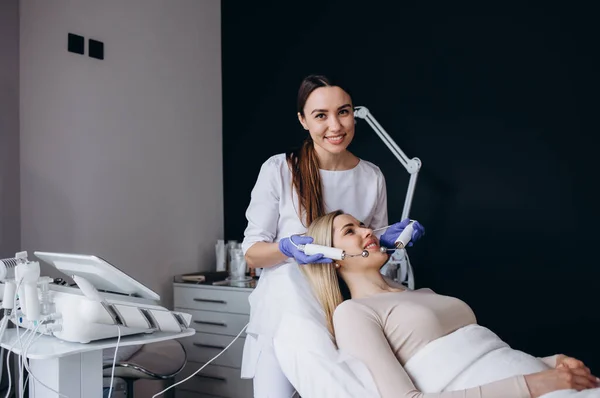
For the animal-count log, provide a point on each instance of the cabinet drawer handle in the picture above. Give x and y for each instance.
(216, 347)
(217, 378)
(211, 323)
(202, 300)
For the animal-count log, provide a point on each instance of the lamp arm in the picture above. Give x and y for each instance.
(412, 166)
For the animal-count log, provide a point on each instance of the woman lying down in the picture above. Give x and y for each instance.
(419, 344)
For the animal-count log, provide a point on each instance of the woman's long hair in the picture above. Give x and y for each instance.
(304, 163)
(326, 284)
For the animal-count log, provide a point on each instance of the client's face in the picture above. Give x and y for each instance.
(354, 237)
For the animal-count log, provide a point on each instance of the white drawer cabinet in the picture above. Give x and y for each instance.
(203, 346)
(219, 313)
(191, 394)
(218, 322)
(216, 380)
(209, 298)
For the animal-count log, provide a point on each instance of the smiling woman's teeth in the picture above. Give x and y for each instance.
(372, 245)
(335, 139)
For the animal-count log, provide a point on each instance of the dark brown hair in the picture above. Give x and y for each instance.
(304, 162)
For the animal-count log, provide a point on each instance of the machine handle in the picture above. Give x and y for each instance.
(211, 323)
(202, 300)
(216, 347)
(217, 378)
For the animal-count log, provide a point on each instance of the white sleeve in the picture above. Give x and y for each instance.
(380, 216)
(263, 212)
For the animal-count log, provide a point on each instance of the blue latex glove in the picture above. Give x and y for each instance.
(388, 239)
(288, 248)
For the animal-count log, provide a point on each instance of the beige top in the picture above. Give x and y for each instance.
(385, 330)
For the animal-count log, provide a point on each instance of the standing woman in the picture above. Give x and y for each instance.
(291, 191)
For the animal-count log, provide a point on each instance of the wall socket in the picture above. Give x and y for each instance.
(76, 43)
(96, 49)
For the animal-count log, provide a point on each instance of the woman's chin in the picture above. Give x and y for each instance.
(377, 255)
(385, 256)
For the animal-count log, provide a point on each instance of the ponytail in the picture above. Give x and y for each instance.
(306, 179)
(304, 163)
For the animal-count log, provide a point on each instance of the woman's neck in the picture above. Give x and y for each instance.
(367, 283)
(335, 161)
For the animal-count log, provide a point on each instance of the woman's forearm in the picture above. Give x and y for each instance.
(264, 255)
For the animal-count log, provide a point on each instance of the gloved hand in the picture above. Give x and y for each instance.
(288, 248)
(388, 239)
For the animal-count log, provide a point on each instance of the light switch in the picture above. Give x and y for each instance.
(76, 43)
(96, 49)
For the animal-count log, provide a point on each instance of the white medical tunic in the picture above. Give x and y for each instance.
(273, 215)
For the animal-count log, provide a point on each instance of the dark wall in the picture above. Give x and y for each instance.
(498, 108)
(10, 225)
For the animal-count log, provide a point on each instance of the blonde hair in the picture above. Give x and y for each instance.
(323, 278)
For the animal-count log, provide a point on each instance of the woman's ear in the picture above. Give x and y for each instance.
(302, 121)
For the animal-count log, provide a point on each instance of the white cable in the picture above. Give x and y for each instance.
(8, 374)
(25, 363)
(203, 366)
(3, 324)
(28, 343)
(38, 380)
(2, 329)
(20, 338)
(1, 363)
(10, 350)
(32, 394)
(8, 391)
(21, 361)
(112, 373)
(20, 357)
(380, 229)
(33, 340)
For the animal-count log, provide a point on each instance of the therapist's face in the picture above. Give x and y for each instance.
(353, 237)
(329, 118)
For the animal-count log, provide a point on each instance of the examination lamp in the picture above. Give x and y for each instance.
(412, 166)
